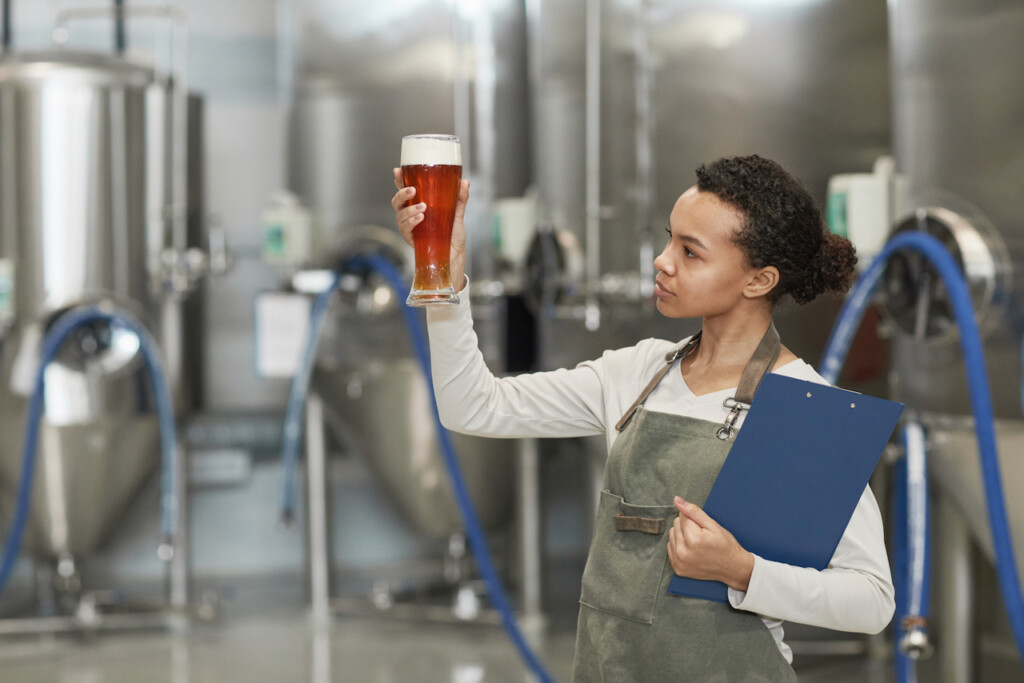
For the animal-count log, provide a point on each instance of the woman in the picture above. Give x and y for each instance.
(743, 237)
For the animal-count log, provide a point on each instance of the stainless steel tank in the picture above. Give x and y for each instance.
(73, 210)
(958, 135)
(364, 80)
(377, 400)
(682, 83)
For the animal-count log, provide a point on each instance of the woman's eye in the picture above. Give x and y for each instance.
(668, 231)
(689, 254)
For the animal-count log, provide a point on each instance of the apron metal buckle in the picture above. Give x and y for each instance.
(726, 431)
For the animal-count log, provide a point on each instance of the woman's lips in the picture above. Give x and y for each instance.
(661, 292)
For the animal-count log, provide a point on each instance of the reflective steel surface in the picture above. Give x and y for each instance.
(366, 76)
(384, 410)
(958, 133)
(805, 83)
(376, 400)
(73, 199)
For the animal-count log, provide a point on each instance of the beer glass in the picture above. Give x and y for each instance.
(433, 165)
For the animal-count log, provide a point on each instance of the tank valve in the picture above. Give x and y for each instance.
(915, 641)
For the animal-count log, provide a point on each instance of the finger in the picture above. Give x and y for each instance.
(397, 172)
(408, 219)
(675, 545)
(695, 513)
(460, 204)
(691, 534)
(410, 216)
(402, 197)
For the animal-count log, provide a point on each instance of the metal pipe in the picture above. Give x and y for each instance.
(592, 256)
(7, 26)
(319, 554)
(181, 562)
(484, 93)
(119, 38)
(287, 17)
(462, 112)
(644, 149)
(955, 609)
(529, 525)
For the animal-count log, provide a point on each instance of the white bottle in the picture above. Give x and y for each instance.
(287, 231)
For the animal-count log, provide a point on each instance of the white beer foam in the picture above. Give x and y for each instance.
(417, 151)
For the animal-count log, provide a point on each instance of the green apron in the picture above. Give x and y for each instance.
(630, 628)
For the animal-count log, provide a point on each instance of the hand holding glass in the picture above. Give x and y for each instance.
(433, 165)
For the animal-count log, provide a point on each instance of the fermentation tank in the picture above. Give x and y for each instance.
(958, 137)
(365, 79)
(628, 98)
(83, 183)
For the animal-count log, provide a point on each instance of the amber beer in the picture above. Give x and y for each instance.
(433, 165)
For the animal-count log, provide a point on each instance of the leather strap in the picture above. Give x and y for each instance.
(646, 525)
(670, 358)
(765, 355)
(761, 362)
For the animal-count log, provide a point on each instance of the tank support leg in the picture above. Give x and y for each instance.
(319, 547)
(956, 596)
(529, 539)
(181, 561)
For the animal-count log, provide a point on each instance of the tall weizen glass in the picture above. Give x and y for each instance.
(433, 165)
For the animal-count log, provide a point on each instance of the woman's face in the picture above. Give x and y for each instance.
(702, 272)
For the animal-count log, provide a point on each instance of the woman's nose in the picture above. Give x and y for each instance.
(661, 262)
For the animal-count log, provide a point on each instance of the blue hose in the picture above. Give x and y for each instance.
(52, 342)
(297, 399)
(904, 666)
(474, 531)
(977, 380)
(911, 533)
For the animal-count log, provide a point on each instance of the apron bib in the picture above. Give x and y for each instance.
(630, 628)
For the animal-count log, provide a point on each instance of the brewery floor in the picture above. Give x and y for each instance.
(279, 648)
(273, 640)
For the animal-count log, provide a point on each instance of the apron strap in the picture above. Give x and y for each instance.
(765, 355)
(670, 358)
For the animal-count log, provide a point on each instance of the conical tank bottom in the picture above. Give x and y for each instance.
(384, 410)
(85, 476)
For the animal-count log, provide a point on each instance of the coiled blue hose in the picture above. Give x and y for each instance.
(978, 388)
(474, 531)
(52, 341)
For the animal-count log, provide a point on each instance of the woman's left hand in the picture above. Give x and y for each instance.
(698, 548)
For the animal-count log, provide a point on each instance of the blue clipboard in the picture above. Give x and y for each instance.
(794, 475)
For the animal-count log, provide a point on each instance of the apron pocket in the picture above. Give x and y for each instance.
(627, 558)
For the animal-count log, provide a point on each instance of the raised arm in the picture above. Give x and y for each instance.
(470, 398)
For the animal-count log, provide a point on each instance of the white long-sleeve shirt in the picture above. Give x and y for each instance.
(854, 593)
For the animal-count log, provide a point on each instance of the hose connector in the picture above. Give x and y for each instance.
(165, 551)
(915, 641)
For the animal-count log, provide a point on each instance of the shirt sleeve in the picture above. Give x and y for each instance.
(471, 400)
(854, 593)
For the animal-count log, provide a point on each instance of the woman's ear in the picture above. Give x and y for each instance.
(763, 282)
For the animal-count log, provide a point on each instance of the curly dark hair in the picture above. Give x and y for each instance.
(782, 227)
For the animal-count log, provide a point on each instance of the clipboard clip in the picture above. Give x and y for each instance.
(727, 429)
